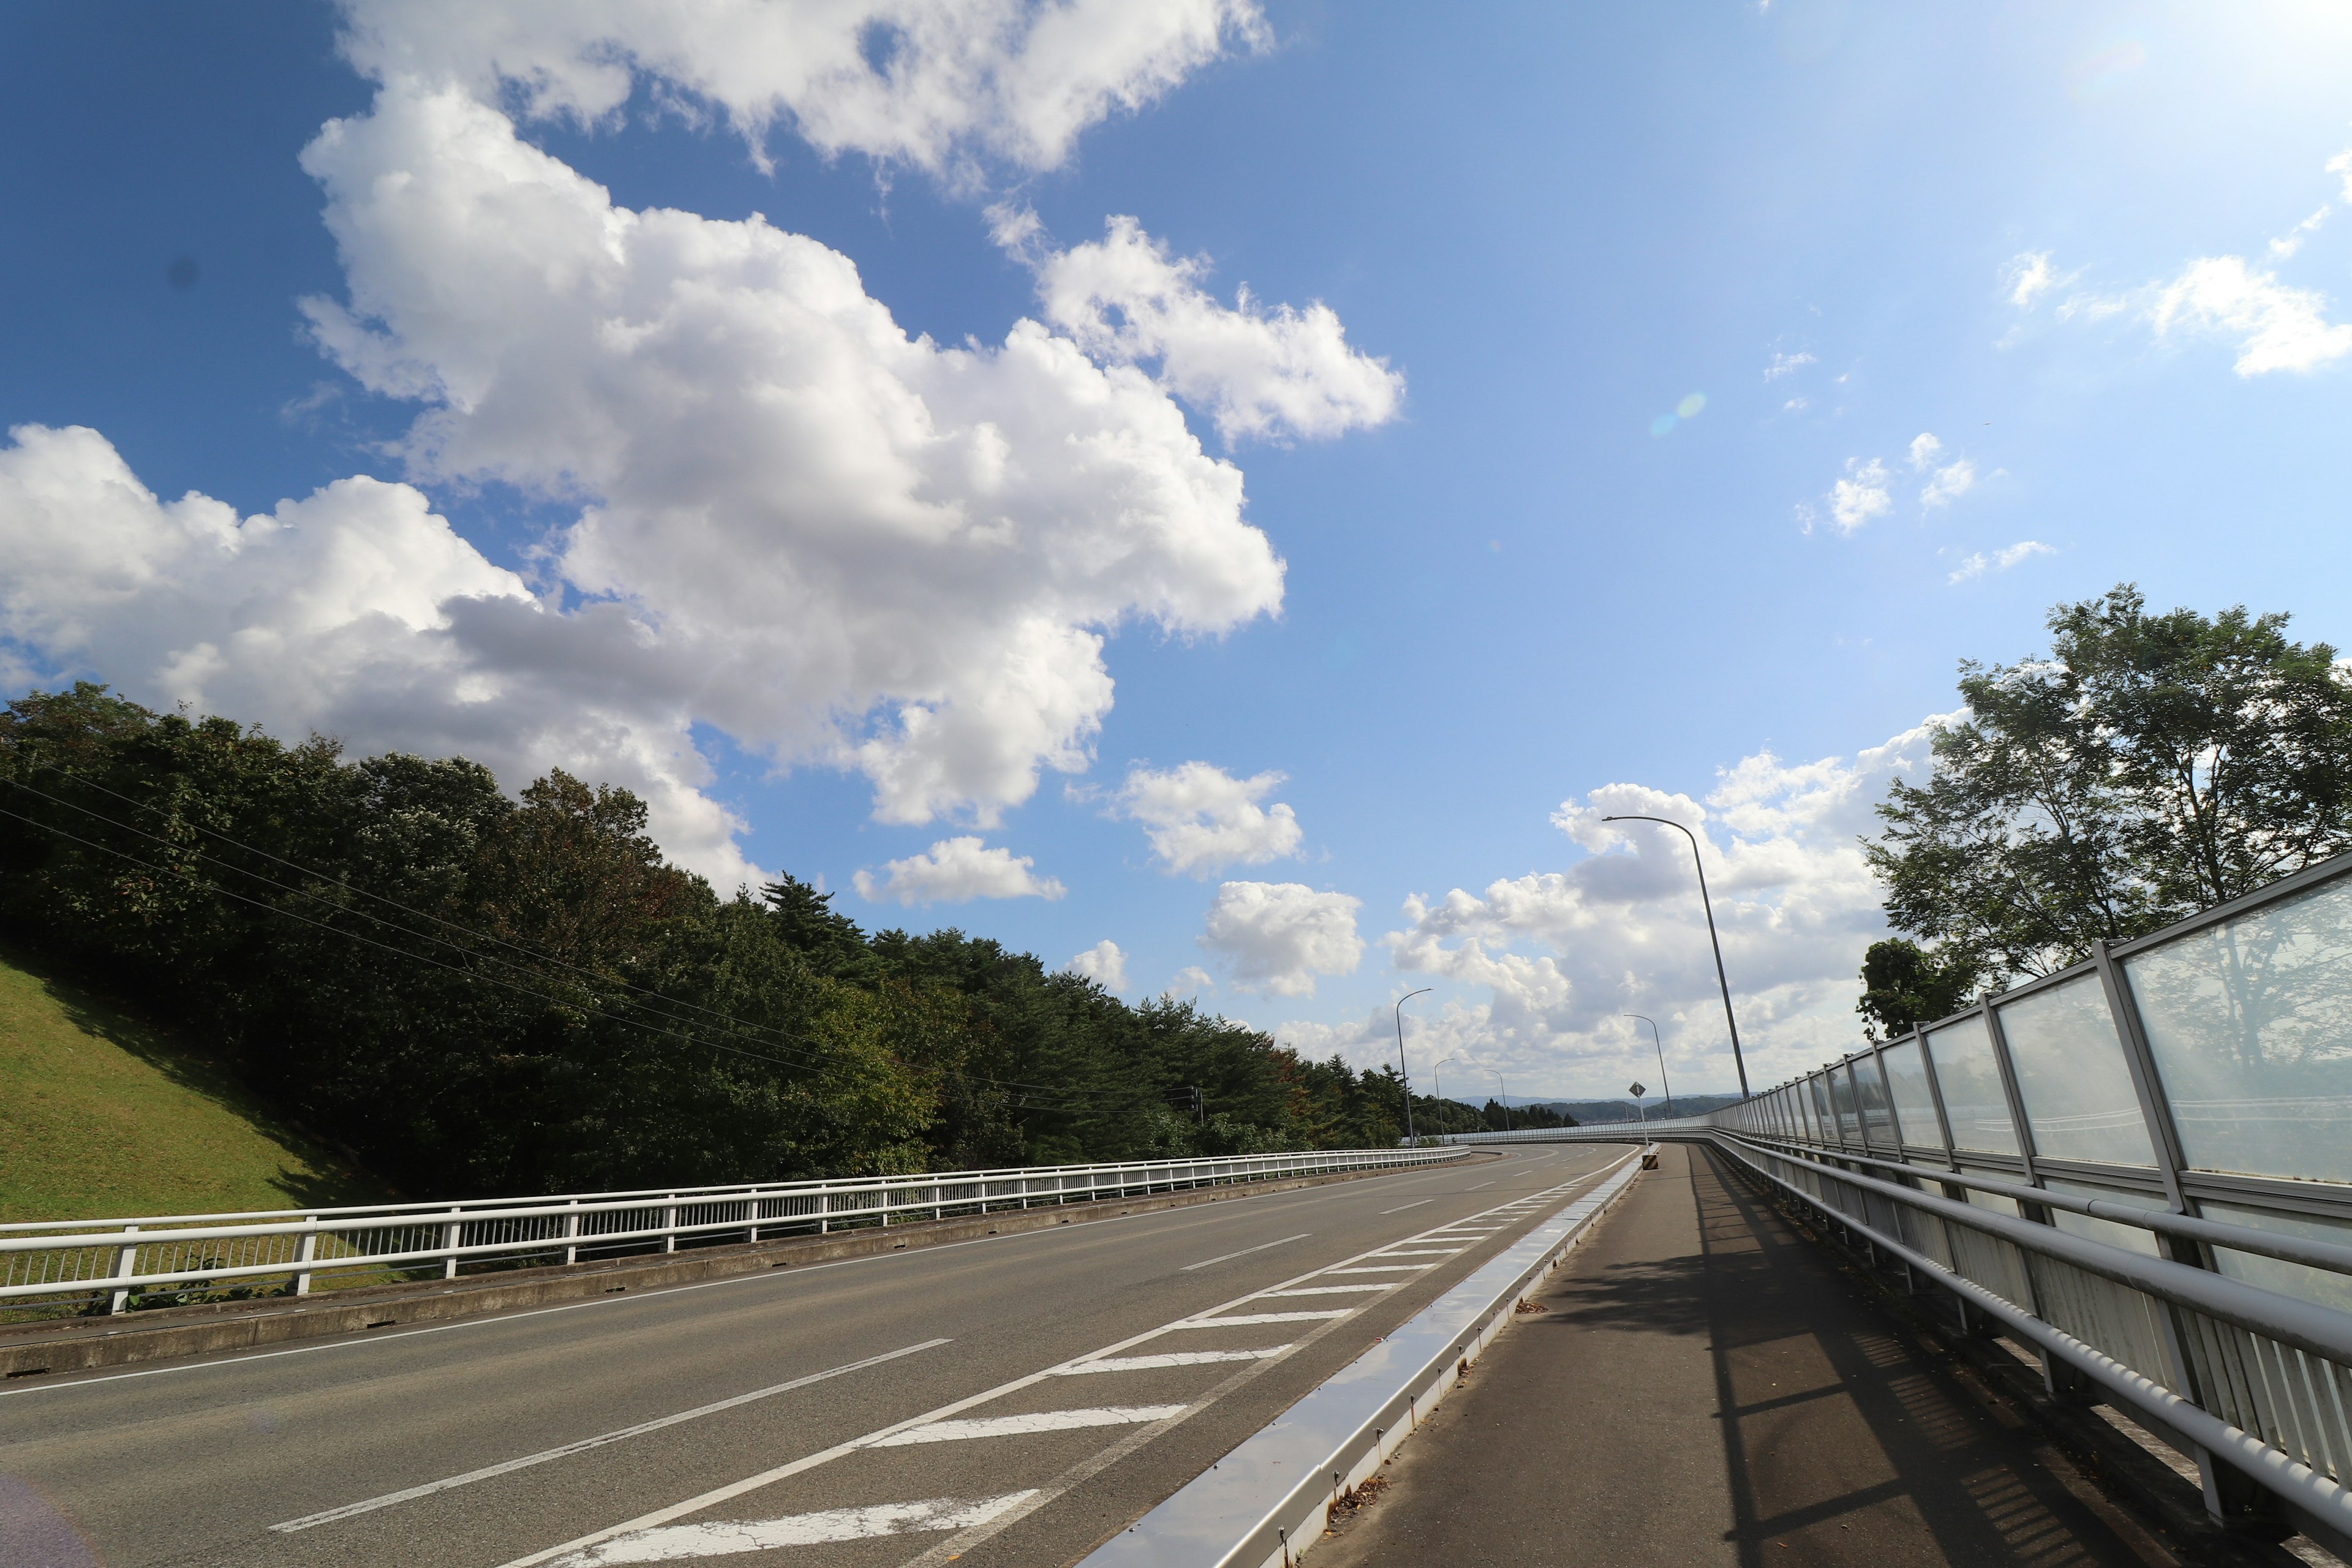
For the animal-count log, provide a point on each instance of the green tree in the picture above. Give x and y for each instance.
(1904, 985)
(2149, 766)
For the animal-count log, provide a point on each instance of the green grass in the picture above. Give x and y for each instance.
(103, 1116)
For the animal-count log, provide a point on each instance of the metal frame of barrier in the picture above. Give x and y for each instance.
(46, 1261)
(2140, 1164)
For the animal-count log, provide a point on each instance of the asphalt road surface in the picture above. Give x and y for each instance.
(1011, 1400)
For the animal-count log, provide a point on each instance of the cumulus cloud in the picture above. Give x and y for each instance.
(1279, 936)
(1860, 494)
(1948, 484)
(1978, 564)
(357, 612)
(956, 871)
(1194, 978)
(1786, 365)
(1255, 371)
(1201, 819)
(936, 84)
(1104, 964)
(1559, 955)
(2276, 325)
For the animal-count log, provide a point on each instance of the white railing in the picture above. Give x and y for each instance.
(43, 1262)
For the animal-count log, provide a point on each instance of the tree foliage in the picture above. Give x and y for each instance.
(2150, 766)
(480, 993)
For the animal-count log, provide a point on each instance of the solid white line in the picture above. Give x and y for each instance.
(1326, 1290)
(1030, 1421)
(1246, 1251)
(1401, 1207)
(1240, 1319)
(486, 1471)
(688, 1540)
(1173, 1358)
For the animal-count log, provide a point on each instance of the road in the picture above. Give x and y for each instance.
(1009, 1401)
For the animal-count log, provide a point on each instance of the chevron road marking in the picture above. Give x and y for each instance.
(676, 1542)
(940, 1426)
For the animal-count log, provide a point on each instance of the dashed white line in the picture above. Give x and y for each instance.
(1401, 1207)
(1382, 1268)
(1241, 1319)
(1423, 1252)
(1029, 1421)
(1245, 1252)
(673, 1543)
(1326, 1290)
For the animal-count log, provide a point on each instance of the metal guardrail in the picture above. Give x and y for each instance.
(54, 1261)
(2140, 1166)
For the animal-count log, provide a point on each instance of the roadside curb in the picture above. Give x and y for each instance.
(78, 1344)
(1266, 1503)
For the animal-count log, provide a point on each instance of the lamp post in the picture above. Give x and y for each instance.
(1401, 1072)
(1437, 1085)
(1662, 1081)
(1705, 902)
(1506, 1093)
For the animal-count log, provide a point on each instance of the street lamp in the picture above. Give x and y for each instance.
(1663, 1082)
(1506, 1093)
(1438, 1084)
(1401, 1072)
(1730, 1022)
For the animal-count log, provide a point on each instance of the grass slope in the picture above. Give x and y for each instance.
(102, 1117)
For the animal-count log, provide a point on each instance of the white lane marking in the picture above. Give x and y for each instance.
(1246, 1251)
(1030, 1421)
(1401, 1207)
(1173, 1358)
(1422, 1252)
(1326, 1290)
(680, 1541)
(1479, 1188)
(767, 1477)
(1241, 1318)
(1382, 1268)
(486, 1471)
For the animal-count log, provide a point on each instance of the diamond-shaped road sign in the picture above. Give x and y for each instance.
(1637, 1092)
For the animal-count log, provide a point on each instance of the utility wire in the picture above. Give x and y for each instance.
(734, 1024)
(804, 1058)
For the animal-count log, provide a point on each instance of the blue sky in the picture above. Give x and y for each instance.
(680, 511)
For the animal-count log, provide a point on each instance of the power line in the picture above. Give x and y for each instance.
(805, 1058)
(733, 1023)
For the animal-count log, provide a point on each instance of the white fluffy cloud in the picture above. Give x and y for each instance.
(1786, 365)
(1255, 371)
(1201, 819)
(2276, 325)
(357, 612)
(1279, 936)
(2001, 560)
(1104, 963)
(956, 871)
(1860, 494)
(1552, 958)
(1948, 481)
(932, 83)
